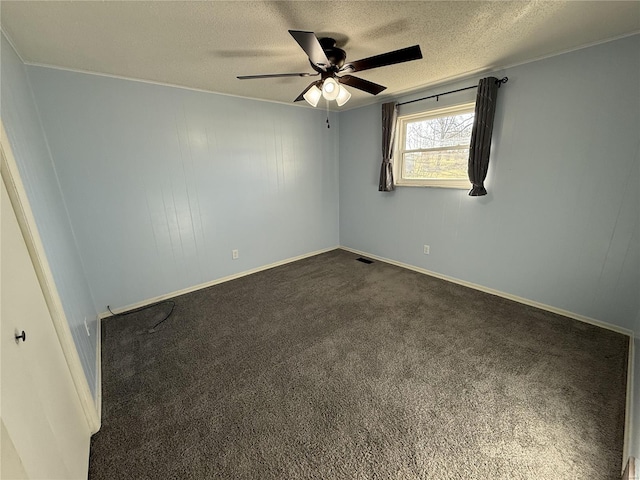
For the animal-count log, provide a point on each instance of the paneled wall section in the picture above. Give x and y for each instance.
(40, 178)
(561, 222)
(141, 190)
(162, 183)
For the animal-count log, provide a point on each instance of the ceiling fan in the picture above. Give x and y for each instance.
(328, 61)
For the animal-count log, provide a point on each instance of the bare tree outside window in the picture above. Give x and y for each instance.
(438, 147)
(433, 147)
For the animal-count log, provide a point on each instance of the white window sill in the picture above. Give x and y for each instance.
(459, 184)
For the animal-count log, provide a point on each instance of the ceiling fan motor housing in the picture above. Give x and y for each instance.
(335, 55)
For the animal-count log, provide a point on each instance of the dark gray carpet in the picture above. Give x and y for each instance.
(328, 368)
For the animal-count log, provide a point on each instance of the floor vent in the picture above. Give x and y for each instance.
(364, 260)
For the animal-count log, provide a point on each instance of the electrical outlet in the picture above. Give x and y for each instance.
(234, 254)
(426, 249)
(86, 327)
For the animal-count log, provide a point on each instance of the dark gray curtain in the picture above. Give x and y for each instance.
(481, 134)
(389, 116)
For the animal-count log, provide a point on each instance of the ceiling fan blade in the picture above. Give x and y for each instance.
(276, 75)
(361, 84)
(384, 59)
(301, 96)
(311, 46)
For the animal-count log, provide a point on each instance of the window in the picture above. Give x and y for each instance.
(432, 148)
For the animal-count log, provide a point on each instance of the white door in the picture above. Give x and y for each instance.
(39, 405)
(10, 463)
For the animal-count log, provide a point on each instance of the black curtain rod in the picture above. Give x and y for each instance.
(499, 82)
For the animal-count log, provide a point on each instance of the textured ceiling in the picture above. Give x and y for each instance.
(205, 45)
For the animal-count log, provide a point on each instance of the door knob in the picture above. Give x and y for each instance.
(23, 336)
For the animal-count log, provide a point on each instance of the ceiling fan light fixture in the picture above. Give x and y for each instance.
(330, 89)
(343, 96)
(312, 96)
(327, 60)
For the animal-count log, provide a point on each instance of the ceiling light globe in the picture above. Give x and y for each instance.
(312, 96)
(343, 96)
(330, 89)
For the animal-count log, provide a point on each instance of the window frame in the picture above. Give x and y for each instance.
(398, 151)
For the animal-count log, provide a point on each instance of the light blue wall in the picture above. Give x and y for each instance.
(30, 149)
(561, 222)
(162, 183)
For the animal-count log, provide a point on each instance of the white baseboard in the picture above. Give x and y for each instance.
(628, 414)
(217, 281)
(508, 296)
(525, 301)
(630, 366)
(98, 398)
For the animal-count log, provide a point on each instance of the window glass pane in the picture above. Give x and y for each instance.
(438, 164)
(439, 132)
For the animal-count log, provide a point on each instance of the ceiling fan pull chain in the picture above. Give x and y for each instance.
(328, 124)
